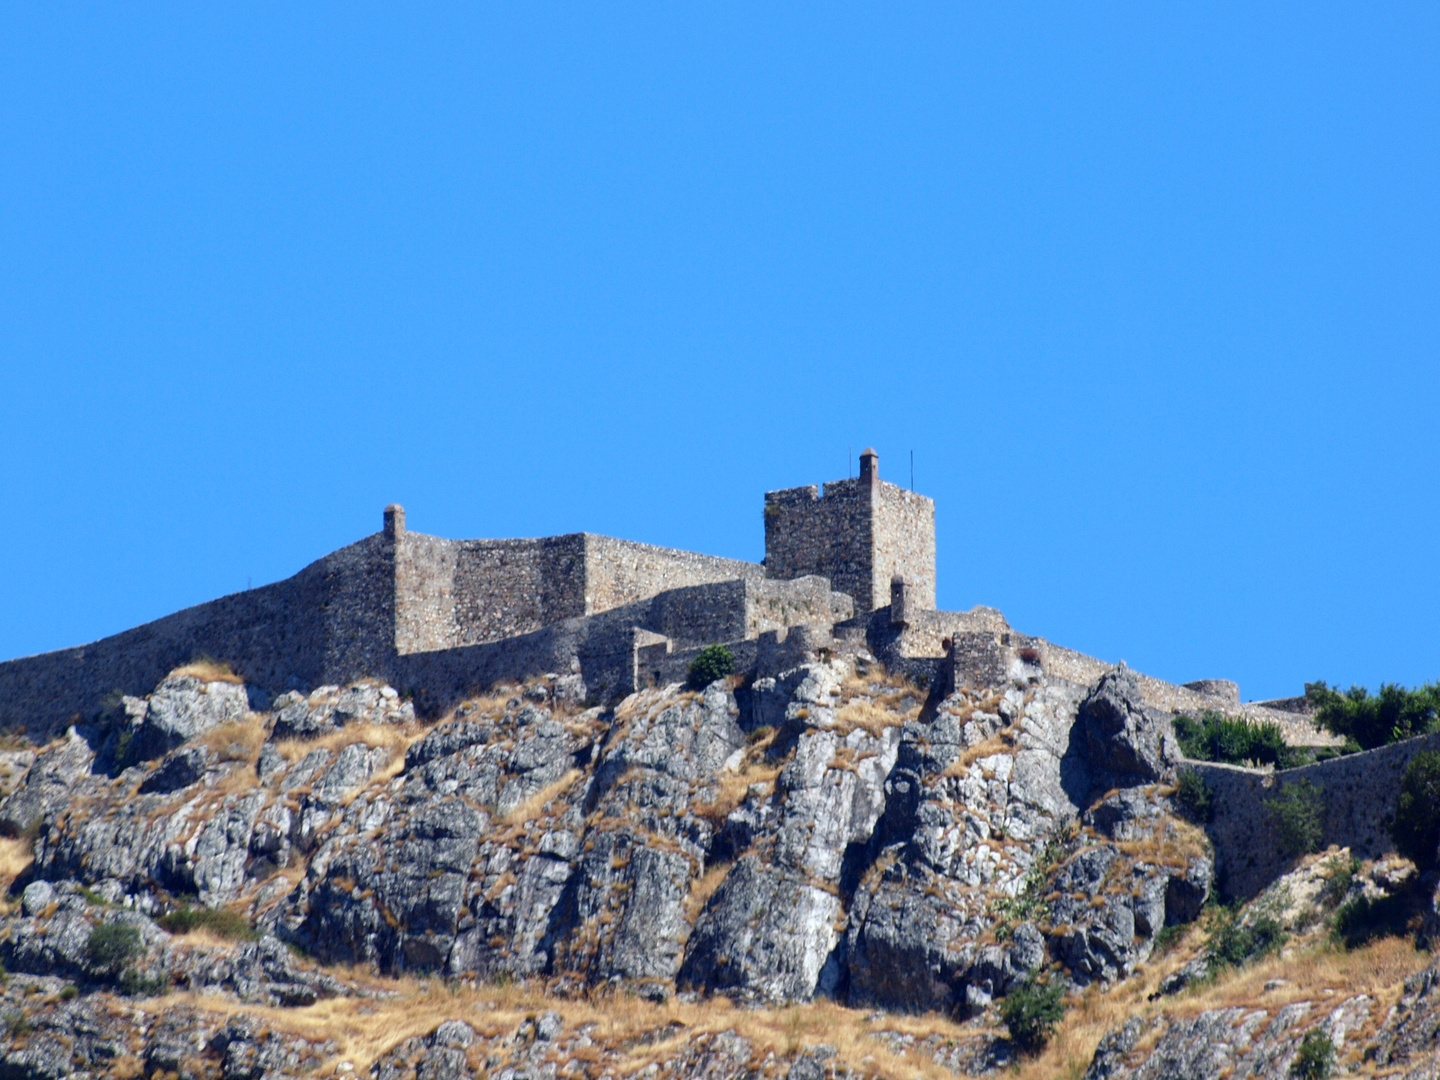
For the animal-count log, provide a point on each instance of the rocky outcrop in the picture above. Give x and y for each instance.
(1128, 742)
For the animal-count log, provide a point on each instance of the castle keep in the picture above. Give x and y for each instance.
(847, 565)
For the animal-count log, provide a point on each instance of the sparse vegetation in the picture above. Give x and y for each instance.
(1032, 1011)
(112, 946)
(1233, 943)
(1298, 811)
(1235, 741)
(1316, 1058)
(219, 921)
(1373, 720)
(1416, 825)
(207, 670)
(1192, 795)
(713, 662)
(1363, 920)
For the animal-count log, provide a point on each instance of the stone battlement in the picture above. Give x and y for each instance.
(850, 566)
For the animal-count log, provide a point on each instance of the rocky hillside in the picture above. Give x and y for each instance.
(826, 873)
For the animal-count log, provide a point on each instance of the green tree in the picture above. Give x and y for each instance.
(713, 662)
(1193, 795)
(1316, 1058)
(1376, 719)
(1032, 1011)
(1416, 825)
(1299, 814)
(112, 946)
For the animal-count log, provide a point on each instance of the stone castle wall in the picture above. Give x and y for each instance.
(619, 572)
(332, 622)
(1359, 792)
(826, 533)
(453, 593)
(904, 541)
(859, 533)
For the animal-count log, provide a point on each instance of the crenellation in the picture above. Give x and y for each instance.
(849, 566)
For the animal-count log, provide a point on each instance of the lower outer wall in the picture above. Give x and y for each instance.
(1359, 794)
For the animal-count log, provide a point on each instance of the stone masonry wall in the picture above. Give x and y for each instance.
(331, 622)
(858, 533)
(828, 533)
(619, 572)
(1359, 795)
(904, 539)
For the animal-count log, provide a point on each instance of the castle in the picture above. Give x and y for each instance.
(848, 566)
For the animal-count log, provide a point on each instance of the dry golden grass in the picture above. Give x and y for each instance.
(207, 670)
(1313, 970)
(871, 716)
(363, 1030)
(396, 737)
(16, 853)
(1002, 742)
(704, 888)
(531, 808)
(239, 740)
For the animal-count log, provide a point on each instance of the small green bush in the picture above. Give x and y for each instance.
(1316, 1058)
(221, 922)
(1032, 1011)
(713, 662)
(1362, 920)
(1376, 719)
(69, 992)
(112, 946)
(1299, 814)
(1232, 943)
(17, 1024)
(1193, 795)
(137, 985)
(1416, 825)
(1216, 737)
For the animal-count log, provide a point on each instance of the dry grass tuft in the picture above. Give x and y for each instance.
(1002, 742)
(240, 740)
(16, 854)
(207, 670)
(532, 807)
(396, 737)
(704, 888)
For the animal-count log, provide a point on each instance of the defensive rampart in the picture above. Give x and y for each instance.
(1358, 791)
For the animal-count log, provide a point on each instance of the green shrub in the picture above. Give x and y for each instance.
(1298, 811)
(1232, 943)
(1316, 1057)
(1376, 719)
(1416, 825)
(1193, 795)
(1362, 920)
(1338, 884)
(1032, 1011)
(112, 946)
(1215, 737)
(137, 985)
(219, 921)
(69, 992)
(713, 662)
(17, 1024)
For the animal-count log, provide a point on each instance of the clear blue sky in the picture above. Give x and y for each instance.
(1149, 290)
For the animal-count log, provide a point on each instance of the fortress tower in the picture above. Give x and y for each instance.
(859, 533)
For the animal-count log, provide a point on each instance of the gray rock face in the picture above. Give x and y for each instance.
(329, 708)
(770, 928)
(1233, 1042)
(1128, 742)
(182, 708)
(967, 816)
(49, 784)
